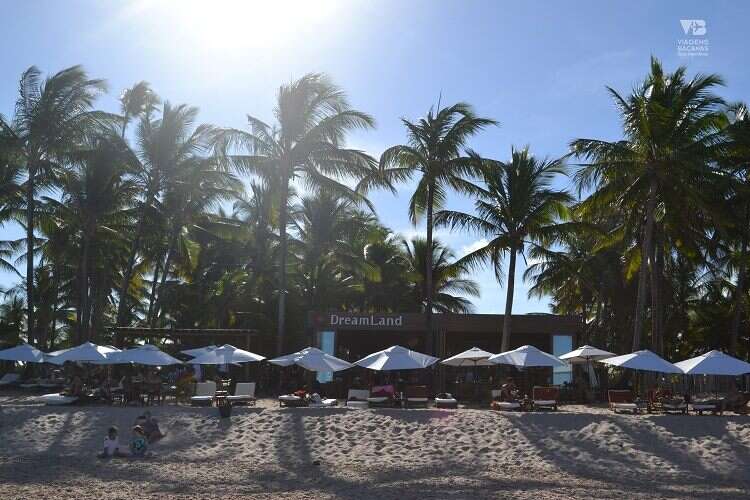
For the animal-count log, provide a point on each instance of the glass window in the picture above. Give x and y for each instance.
(560, 345)
(326, 341)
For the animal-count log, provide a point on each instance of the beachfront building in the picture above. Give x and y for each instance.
(353, 335)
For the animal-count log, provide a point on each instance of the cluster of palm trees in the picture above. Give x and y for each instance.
(146, 217)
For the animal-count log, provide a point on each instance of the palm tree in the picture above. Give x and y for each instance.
(50, 118)
(447, 277)
(437, 152)
(313, 117)
(137, 101)
(672, 129)
(517, 207)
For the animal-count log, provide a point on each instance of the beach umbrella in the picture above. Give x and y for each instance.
(714, 363)
(526, 356)
(644, 360)
(143, 355)
(396, 358)
(585, 354)
(471, 357)
(312, 359)
(200, 351)
(85, 353)
(225, 355)
(24, 352)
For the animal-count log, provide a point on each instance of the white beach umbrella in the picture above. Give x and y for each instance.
(312, 359)
(225, 355)
(644, 360)
(471, 357)
(200, 351)
(396, 358)
(586, 353)
(24, 352)
(714, 363)
(143, 355)
(86, 353)
(526, 356)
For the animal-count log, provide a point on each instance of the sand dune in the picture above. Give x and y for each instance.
(265, 452)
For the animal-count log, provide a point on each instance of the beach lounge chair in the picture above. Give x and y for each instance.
(244, 392)
(503, 405)
(446, 400)
(700, 407)
(10, 379)
(357, 398)
(545, 398)
(416, 395)
(56, 399)
(204, 394)
(622, 400)
(292, 400)
(381, 396)
(316, 401)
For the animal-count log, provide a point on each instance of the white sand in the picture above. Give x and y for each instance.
(264, 452)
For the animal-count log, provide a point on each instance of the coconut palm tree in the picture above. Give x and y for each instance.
(515, 208)
(437, 152)
(450, 287)
(137, 101)
(307, 145)
(672, 128)
(50, 118)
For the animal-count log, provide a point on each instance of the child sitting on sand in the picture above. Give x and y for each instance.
(111, 445)
(150, 427)
(139, 443)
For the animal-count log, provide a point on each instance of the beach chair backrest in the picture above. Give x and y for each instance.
(245, 389)
(387, 390)
(620, 396)
(495, 393)
(416, 391)
(205, 388)
(358, 395)
(546, 393)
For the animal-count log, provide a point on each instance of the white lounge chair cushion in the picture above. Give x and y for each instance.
(356, 404)
(241, 398)
(445, 401)
(379, 399)
(704, 406)
(545, 402)
(289, 397)
(326, 403)
(507, 405)
(418, 400)
(56, 399)
(675, 406)
(205, 389)
(625, 406)
(202, 398)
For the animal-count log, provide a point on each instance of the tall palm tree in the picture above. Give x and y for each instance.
(450, 286)
(672, 128)
(437, 152)
(137, 101)
(307, 145)
(515, 208)
(51, 117)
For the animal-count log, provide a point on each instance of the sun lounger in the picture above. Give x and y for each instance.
(496, 404)
(204, 394)
(10, 379)
(545, 398)
(700, 407)
(622, 400)
(244, 392)
(416, 395)
(381, 396)
(446, 400)
(357, 398)
(56, 399)
(292, 400)
(317, 402)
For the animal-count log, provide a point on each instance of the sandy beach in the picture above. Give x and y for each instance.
(266, 452)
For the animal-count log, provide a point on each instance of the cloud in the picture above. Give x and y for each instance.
(467, 249)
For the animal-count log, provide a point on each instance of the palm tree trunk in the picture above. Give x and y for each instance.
(30, 206)
(507, 323)
(431, 344)
(283, 209)
(165, 270)
(83, 290)
(646, 251)
(150, 315)
(657, 342)
(739, 293)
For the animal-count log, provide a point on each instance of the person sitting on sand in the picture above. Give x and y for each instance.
(139, 443)
(111, 445)
(150, 427)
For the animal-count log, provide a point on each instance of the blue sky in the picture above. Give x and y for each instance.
(538, 67)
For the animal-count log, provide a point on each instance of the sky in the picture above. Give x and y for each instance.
(539, 68)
